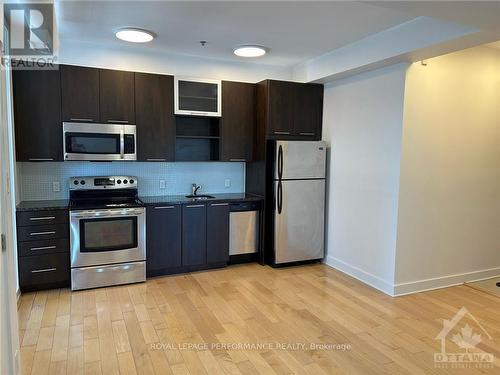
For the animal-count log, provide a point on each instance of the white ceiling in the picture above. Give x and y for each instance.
(293, 31)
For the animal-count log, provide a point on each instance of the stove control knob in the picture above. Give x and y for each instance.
(118, 182)
(132, 181)
(125, 181)
(75, 182)
(82, 182)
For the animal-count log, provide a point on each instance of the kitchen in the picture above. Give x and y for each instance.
(195, 203)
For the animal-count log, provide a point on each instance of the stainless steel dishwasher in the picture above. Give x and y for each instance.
(244, 228)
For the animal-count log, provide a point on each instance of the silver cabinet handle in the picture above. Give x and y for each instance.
(237, 159)
(42, 248)
(81, 119)
(40, 159)
(199, 113)
(42, 218)
(219, 204)
(44, 270)
(41, 233)
(163, 207)
(284, 133)
(195, 205)
(119, 121)
(156, 159)
(307, 133)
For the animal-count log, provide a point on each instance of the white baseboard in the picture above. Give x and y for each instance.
(361, 275)
(444, 281)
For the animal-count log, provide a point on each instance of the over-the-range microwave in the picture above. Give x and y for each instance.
(99, 142)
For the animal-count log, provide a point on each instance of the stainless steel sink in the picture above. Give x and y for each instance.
(200, 197)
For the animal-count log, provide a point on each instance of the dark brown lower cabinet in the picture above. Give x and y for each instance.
(194, 234)
(217, 233)
(163, 238)
(43, 249)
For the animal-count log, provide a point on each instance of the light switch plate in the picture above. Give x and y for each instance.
(227, 182)
(162, 184)
(56, 186)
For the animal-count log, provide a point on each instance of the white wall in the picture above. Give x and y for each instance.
(139, 59)
(363, 123)
(449, 205)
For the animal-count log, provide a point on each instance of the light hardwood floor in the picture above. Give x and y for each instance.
(120, 330)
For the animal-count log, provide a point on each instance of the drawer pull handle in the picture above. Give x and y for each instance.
(40, 159)
(163, 207)
(42, 233)
(283, 133)
(156, 159)
(119, 121)
(195, 205)
(42, 218)
(44, 270)
(81, 119)
(237, 159)
(219, 204)
(307, 133)
(43, 248)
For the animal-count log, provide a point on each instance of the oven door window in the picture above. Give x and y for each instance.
(92, 143)
(108, 234)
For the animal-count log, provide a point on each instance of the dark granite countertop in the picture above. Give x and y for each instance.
(58, 204)
(61, 204)
(178, 199)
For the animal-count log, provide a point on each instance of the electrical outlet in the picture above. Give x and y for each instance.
(56, 186)
(162, 184)
(227, 182)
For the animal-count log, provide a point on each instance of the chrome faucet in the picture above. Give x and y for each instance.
(195, 188)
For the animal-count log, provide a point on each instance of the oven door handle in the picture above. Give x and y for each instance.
(110, 213)
(122, 144)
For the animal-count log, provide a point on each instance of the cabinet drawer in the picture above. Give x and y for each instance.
(43, 271)
(42, 217)
(30, 248)
(42, 232)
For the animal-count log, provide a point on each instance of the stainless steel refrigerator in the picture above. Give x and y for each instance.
(299, 201)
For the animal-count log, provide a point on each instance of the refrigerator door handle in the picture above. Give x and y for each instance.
(280, 162)
(279, 197)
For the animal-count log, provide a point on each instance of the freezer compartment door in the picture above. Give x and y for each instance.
(300, 159)
(299, 220)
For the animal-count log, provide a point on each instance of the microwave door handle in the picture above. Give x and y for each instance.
(122, 144)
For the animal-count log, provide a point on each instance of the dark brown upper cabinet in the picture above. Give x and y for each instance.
(80, 93)
(155, 120)
(238, 121)
(116, 96)
(308, 110)
(289, 110)
(37, 115)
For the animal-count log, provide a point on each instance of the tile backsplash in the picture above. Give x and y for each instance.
(36, 179)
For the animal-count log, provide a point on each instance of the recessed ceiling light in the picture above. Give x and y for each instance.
(249, 51)
(134, 35)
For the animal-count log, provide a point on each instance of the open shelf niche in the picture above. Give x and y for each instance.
(197, 138)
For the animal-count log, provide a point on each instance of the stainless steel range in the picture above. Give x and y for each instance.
(107, 232)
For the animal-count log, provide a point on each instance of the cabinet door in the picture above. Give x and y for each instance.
(37, 115)
(308, 110)
(281, 112)
(163, 238)
(194, 235)
(238, 121)
(217, 232)
(200, 97)
(154, 107)
(116, 96)
(80, 93)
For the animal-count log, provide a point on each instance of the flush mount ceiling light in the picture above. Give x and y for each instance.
(134, 35)
(249, 51)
